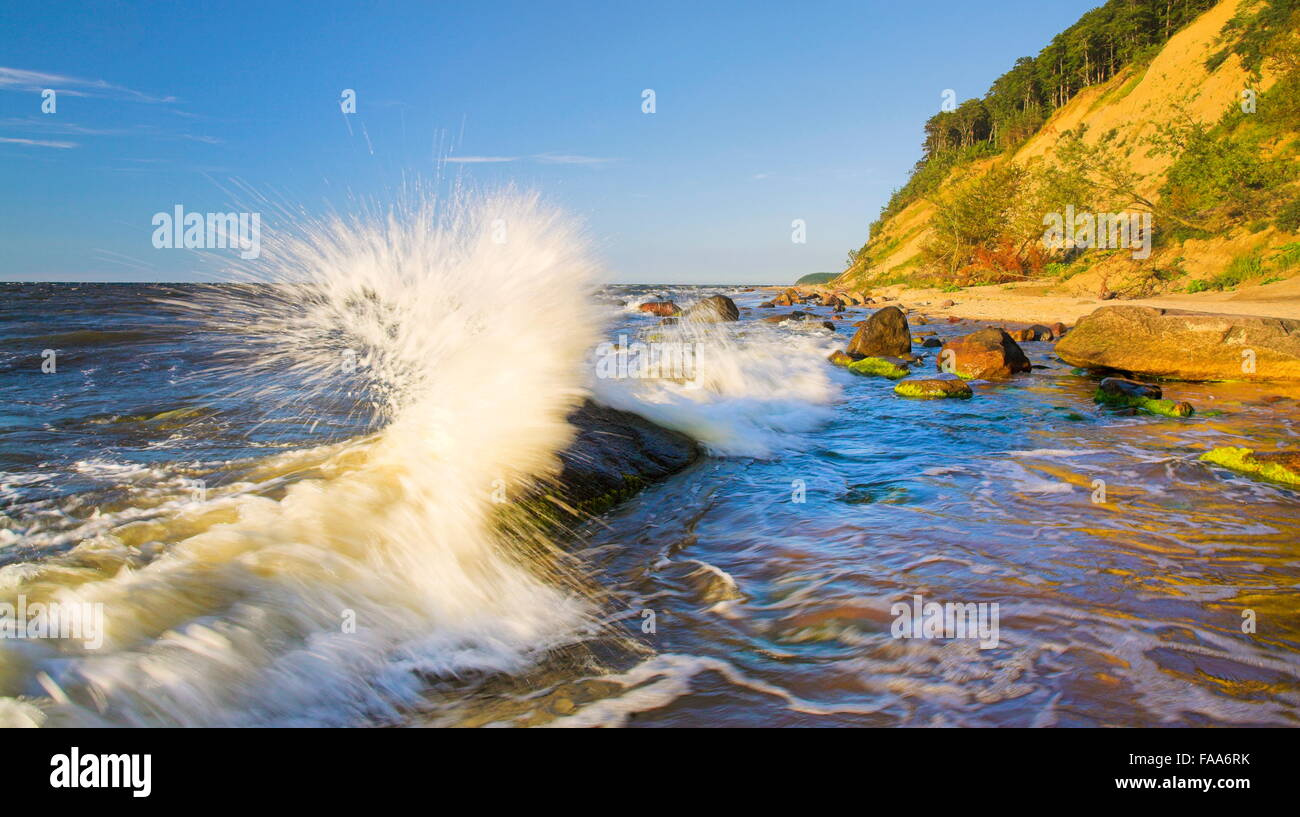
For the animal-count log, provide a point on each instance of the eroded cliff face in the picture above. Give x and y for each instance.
(1120, 117)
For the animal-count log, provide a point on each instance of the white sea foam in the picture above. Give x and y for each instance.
(750, 395)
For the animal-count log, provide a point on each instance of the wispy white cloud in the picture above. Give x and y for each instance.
(542, 158)
(50, 125)
(474, 160)
(20, 79)
(569, 159)
(40, 143)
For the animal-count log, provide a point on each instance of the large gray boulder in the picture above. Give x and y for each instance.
(1180, 344)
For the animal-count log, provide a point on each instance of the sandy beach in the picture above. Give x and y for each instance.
(1034, 302)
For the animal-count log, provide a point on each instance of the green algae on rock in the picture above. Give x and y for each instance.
(879, 367)
(1148, 405)
(934, 389)
(1277, 466)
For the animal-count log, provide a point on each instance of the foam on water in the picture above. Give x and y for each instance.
(752, 387)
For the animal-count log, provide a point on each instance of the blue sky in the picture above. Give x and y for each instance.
(765, 113)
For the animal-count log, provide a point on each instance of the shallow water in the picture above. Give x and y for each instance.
(770, 567)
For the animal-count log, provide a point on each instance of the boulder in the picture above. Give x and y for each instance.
(1180, 344)
(934, 389)
(613, 454)
(663, 309)
(885, 334)
(986, 354)
(713, 309)
(788, 298)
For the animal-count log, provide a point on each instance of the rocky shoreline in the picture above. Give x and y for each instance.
(616, 453)
(1120, 345)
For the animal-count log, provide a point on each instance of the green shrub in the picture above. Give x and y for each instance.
(1288, 218)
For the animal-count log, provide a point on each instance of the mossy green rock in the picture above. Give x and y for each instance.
(879, 367)
(934, 389)
(1146, 405)
(1278, 466)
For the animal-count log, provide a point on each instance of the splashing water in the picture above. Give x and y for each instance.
(751, 389)
(331, 584)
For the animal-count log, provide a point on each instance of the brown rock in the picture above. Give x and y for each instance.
(1185, 345)
(1036, 332)
(987, 354)
(788, 298)
(663, 309)
(883, 334)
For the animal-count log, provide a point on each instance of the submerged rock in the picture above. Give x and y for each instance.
(713, 309)
(885, 333)
(986, 354)
(1129, 388)
(934, 389)
(1183, 345)
(791, 316)
(1116, 398)
(1275, 466)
